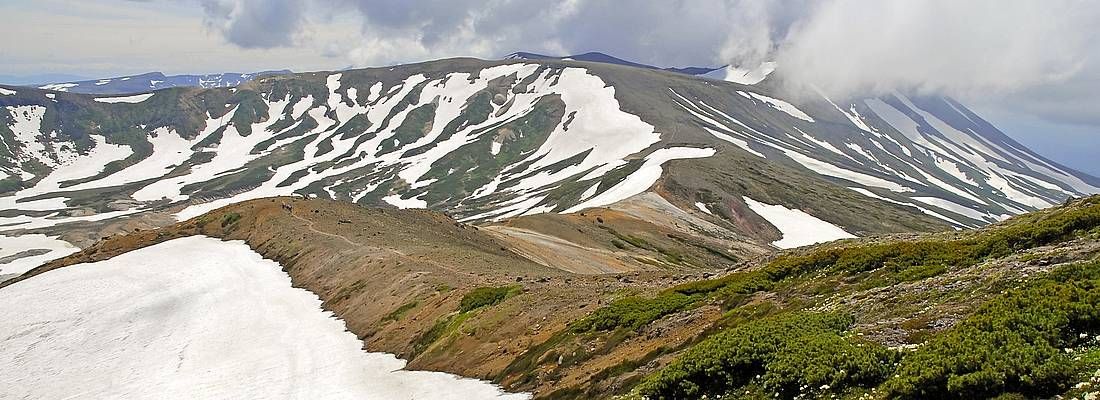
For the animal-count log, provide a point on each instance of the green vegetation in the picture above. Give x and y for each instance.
(1015, 343)
(486, 296)
(912, 260)
(230, 219)
(473, 165)
(400, 311)
(633, 312)
(416, 123)
(786, 354)
(474, 300)
(1012, 344)
(250, 109)
(442, 328)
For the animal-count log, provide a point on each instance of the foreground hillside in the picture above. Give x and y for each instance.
(1010, 309)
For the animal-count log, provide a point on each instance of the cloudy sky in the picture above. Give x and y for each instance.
(1031, 67)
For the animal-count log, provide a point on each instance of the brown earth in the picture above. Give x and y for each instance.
(641, 233)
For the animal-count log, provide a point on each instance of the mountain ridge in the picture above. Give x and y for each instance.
(145, 82)
(496, 140)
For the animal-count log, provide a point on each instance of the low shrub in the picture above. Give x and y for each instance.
(786, 354)
(486, 296)
(1012, 344)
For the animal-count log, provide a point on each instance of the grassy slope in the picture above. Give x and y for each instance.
(983, 307)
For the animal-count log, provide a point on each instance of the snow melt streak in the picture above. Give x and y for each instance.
(198, 318)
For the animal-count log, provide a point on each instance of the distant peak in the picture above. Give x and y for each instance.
(743, 74)
(598, 57)
(523, 55)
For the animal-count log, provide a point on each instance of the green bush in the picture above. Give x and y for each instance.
(485, 296)
(230, 219)
(400, 311)
(1012, 344)
(911, 260)
(824, 361)
(634, 312)
(788, 354)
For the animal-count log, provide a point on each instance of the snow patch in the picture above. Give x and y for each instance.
(738, 142)
(591, 191)
(744, 76)
(872, 195)
(798, 227)
(396, 201)
(194, 317)
(781, 105)
(642, 179)
(953, 207)
(11, 245)
(137, 98)
(703, 207)
(60, 87)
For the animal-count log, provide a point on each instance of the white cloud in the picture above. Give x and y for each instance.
(1032, 57)
(958, 47)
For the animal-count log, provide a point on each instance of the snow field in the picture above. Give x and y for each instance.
(194, 317)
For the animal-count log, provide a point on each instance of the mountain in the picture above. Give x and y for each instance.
(497, 140)
(598, 57)
(38, 79)
(562, 228)
(153, 81)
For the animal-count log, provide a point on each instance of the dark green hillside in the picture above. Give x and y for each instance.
(1009, 309)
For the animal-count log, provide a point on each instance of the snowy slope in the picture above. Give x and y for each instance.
(798, 227)
(742, 75)
(194, 317)
(929, 150)
(489, 140)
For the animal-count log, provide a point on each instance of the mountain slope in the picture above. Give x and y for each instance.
(492, 140)
(598, 57)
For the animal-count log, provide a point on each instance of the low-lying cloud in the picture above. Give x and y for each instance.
(981, 46)
(1034, 50)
